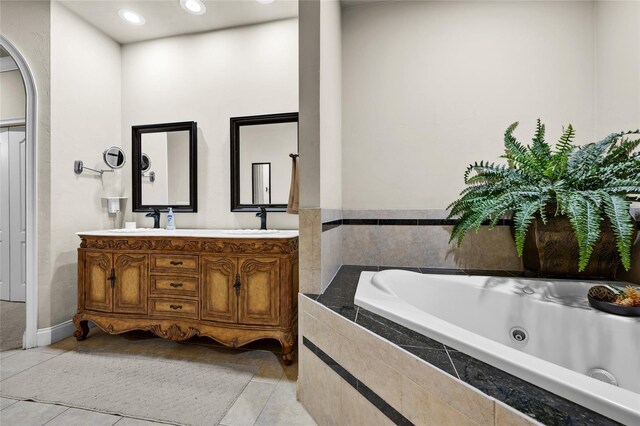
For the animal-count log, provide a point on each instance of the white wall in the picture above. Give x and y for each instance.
(429, 87)
(309, 93)
(12, 95)
(618, 79)
(330, 105)
(209, 78)
(617, 30)
(27, 25)
(85, 120)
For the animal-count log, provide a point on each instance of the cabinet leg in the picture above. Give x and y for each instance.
(288, 343)
(288, 358)
(82, 329)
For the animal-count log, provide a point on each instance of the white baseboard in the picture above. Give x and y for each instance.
(49, 335)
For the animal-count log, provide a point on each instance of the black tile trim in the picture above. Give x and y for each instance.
(331, 225)
(384, 222)
(326, 226)
(360, 221)
(414, 222)
(437, 222)
(394, 415)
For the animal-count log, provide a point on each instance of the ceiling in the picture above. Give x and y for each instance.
(167, 18)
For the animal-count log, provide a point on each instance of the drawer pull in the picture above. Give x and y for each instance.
(175, 263)
(176, 285)
(175, 307)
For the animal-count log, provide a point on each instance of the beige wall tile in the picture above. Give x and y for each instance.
(320, 389)
(316, 310)
(361, 245)
(310, 230)
(331, 250)
(356, 410)
(424, 408)
(309, 281)
(322, 336)
(402, 245)
(309, 250)
(329, 215)
(487, 249)
(507, 416)
(452, 391)
(396, 214)
(381, 378)
(366, 341)
(325, 315)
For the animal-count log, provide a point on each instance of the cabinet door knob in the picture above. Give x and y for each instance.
(176, 285)
(175, 307)
(175, 263)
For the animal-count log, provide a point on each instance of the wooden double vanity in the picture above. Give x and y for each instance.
(232, 286)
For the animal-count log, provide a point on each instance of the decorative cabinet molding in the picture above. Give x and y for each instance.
(207, 245)
(234, 291)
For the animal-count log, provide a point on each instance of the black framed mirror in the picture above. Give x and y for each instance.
(260, 162)
(173, 181)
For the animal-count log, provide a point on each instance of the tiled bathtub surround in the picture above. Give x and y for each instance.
(320, 248)
(310, 228)
(420, 237)
(331, 251)
(424, 380)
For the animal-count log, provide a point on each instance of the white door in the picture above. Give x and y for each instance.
(13, 214)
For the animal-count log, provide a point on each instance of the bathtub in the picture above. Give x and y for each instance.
(541, 331)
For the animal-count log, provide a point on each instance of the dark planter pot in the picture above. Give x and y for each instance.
(551, 250)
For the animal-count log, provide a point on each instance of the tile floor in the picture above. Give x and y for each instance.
(268, 399)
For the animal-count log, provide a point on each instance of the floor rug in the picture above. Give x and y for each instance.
(154, 388)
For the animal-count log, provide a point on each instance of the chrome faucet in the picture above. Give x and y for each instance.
(155, 214)
(263, 217)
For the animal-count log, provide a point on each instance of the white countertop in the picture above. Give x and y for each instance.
(193, 233)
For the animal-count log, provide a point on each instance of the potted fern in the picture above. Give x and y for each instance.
(569, 204)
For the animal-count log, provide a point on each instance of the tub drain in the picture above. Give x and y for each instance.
(602, 375)
(519, 334)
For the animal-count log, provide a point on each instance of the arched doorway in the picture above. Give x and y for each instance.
(30, 193)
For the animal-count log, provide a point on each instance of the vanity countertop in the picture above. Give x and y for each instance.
(193, 233)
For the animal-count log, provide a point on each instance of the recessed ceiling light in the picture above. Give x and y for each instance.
(265, 1)
(195, 7)
(132, 17)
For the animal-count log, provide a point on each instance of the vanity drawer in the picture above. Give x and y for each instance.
(173, 307)
(177, 285)
(174, 263)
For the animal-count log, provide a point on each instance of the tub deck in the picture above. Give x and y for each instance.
(542, 405)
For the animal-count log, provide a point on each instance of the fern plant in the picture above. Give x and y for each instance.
(585, 183)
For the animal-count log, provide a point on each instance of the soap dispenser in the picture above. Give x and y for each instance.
(171, 224)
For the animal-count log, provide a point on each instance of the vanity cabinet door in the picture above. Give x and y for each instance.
(217, 296)
(131, 283)
(259, 301)
(98, 293)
